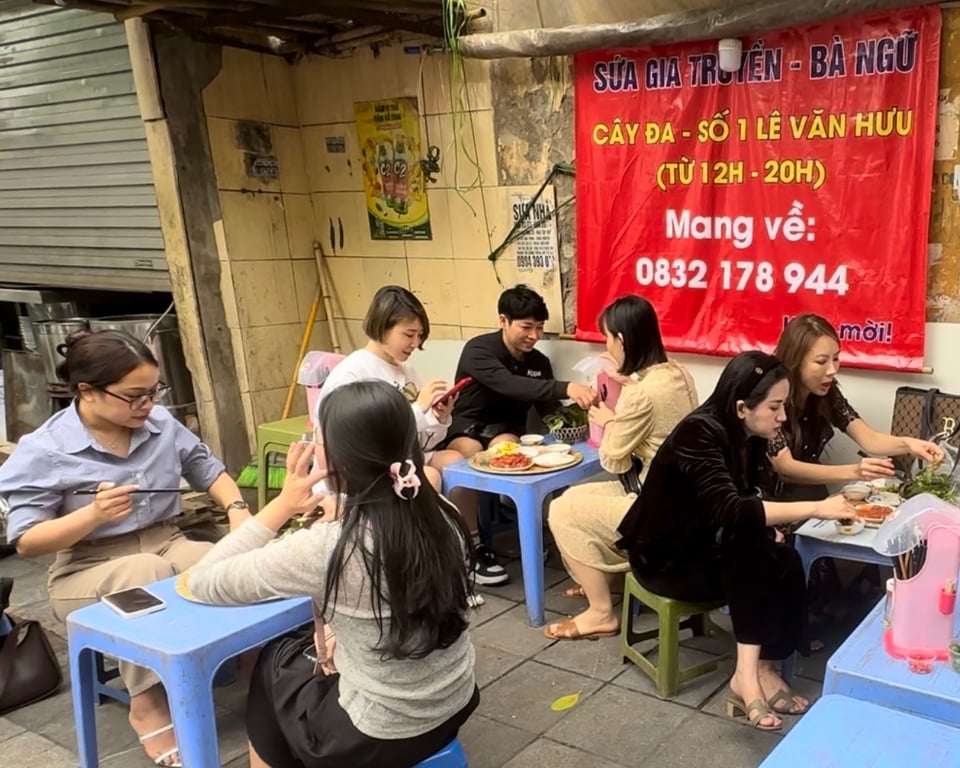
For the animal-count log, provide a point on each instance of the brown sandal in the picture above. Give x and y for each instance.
(787, 696)
(736, 707)
(576, 593)
(567, 630)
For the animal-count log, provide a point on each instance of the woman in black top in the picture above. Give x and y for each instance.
(810, 349)
(699, 531)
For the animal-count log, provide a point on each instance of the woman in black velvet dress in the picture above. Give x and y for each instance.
(700, 530)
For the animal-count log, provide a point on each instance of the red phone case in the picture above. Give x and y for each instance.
(452, 391)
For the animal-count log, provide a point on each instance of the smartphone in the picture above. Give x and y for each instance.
(135, 601)
(609, 389)
(452, 391)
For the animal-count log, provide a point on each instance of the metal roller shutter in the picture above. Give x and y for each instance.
(77, 203)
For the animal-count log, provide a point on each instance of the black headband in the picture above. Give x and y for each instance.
(763, 364)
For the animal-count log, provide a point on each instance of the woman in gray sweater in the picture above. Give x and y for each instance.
(387, 574)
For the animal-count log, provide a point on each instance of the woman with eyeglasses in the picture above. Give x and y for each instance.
(115, 442)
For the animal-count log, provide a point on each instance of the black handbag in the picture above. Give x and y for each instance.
(630, 480)
(29, 670)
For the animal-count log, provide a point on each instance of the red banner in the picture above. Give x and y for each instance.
(735, 201)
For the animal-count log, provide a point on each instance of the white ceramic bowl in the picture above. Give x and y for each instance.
(558, 448)
(857, 491)
(531, 439)
(552, 460)
(529, 451)
(854, 528)
(884, 499)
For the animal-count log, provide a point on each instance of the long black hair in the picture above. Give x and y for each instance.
(748, 377)
(412, 547)
(634, 320)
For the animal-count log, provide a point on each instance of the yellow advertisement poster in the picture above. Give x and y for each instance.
(389, 136)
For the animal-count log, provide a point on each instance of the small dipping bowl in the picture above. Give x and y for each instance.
(849, 526)
(529, 451)
(856, 491)
(558, 448)
(531, 440)
(921, 660)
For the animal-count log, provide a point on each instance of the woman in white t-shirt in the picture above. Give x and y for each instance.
(396, 326)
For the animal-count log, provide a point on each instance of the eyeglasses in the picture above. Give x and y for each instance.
(141, 401)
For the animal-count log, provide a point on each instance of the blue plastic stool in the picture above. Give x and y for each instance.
(101, 677)
(451, 756)
(185, 644)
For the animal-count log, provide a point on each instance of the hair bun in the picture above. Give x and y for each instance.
(75, 336)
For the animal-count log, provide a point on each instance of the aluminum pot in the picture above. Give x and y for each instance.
(50, 336)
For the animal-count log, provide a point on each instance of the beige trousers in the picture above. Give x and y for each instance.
(89, 570)
(584, 521)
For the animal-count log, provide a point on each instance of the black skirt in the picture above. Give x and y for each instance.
(294, 717)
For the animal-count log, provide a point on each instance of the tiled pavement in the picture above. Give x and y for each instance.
(618, 722)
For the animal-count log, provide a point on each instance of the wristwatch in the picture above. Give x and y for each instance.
(239, 504)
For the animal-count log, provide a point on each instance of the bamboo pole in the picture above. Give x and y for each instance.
(318, 257)
(304, 341)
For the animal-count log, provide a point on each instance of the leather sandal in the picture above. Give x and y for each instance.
(159, 759)
(567, 630)
(736, 707)
(787, 696)
(576, 593)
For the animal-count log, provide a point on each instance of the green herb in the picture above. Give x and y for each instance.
(954, 647)
(929, 481)
(567, 416)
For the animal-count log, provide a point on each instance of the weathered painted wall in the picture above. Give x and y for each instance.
(518, 124)
(943, 284)
(266, 234)
(283, 114)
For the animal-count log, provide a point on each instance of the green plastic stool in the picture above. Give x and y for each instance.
(666, 673)
(275, 437)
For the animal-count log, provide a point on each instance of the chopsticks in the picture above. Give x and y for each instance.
(94, 491)
(908, 564)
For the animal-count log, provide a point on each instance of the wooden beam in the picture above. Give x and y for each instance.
(185, 68)
(750, 18)
(293, 9)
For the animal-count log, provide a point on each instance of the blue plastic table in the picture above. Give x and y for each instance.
(184, 644)
(861, 669)
(839, 732)
(820, 538)
(528, 493)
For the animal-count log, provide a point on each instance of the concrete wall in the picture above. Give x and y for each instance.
(266, 234)
(268, 226)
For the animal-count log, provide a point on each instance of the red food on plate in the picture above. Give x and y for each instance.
(512, 461)
(872, 512)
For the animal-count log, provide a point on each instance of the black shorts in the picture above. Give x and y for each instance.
(482, 433)
(294, 717)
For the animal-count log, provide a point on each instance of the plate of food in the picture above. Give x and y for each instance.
(873, 515)
(885, 499)
(517, 462)
(510, 462)
(555, 460)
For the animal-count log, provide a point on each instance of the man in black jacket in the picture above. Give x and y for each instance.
(509, 377)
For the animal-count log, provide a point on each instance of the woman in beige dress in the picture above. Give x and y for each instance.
(657, 393)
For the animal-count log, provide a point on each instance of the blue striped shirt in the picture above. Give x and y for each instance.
(60, 457)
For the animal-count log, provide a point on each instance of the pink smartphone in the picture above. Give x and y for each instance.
(452, 391)
(609, 391)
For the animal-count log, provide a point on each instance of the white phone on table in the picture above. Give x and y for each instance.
(133, 602)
